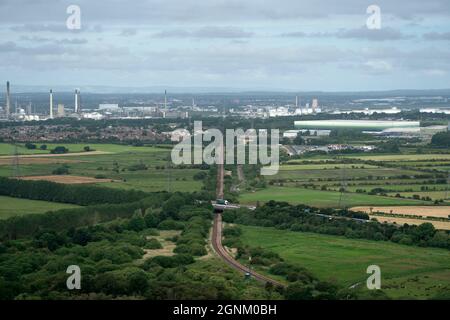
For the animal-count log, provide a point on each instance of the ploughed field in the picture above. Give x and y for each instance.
(66, 179)
(439, 216)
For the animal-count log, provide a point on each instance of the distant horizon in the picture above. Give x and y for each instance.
(107, 89)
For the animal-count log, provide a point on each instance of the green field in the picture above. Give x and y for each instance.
(326, 172)
(7, 149)
(10, 207)
(402, 157)
(319, 198)
(406, 174)
(397, 187)
(406, 271)
(325, 166)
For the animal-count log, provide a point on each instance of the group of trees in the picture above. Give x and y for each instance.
(59, 150)
(32, 146)
(441, 140)
(75, 194)
(64, 169)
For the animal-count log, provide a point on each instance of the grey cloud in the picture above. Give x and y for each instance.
(56, 28)
(299, 34)
(39, 28)
(437, 36)
(374, 35)
(50, 49)
(72, 41)
(128, 32)
(363, 33)
(8, 47)
(209, 32)
(222, 32)
(36, 39)
(228, 60)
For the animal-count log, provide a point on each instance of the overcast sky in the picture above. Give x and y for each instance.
(247, 44)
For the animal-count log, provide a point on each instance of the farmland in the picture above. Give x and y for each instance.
(10, 207)
(320, 198)
(65, 179)
(440, 225)
(404, 157)
(438, 216)
(141, 168)
(407, 272)
(7, 149)
(327, 180)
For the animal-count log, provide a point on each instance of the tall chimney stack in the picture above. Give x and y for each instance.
(76, 100)
(79, 101)
(315, 105)
(8, 100)
(51, 104)
(165, 104)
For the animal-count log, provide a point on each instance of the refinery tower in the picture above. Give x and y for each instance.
(8, 100)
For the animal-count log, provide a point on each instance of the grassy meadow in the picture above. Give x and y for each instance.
(406, 271)
(10, 207)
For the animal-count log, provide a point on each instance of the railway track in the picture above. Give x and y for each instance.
(216, 240)
(216, 234)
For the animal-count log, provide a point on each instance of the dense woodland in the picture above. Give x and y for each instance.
(109, 241)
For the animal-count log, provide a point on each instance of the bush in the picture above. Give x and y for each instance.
(137, 222)
(30, 146)
(194, 249)
(59, 150)
(61, 170)
(169, 262)
(153, 244)
(137, 167)
(200, 175)
(170, 224)
(151, 218)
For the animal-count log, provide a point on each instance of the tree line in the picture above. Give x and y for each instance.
(282, 215)
(83, 195)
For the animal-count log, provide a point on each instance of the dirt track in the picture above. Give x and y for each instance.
(37, 161)
(66, 179)
(46, 155)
